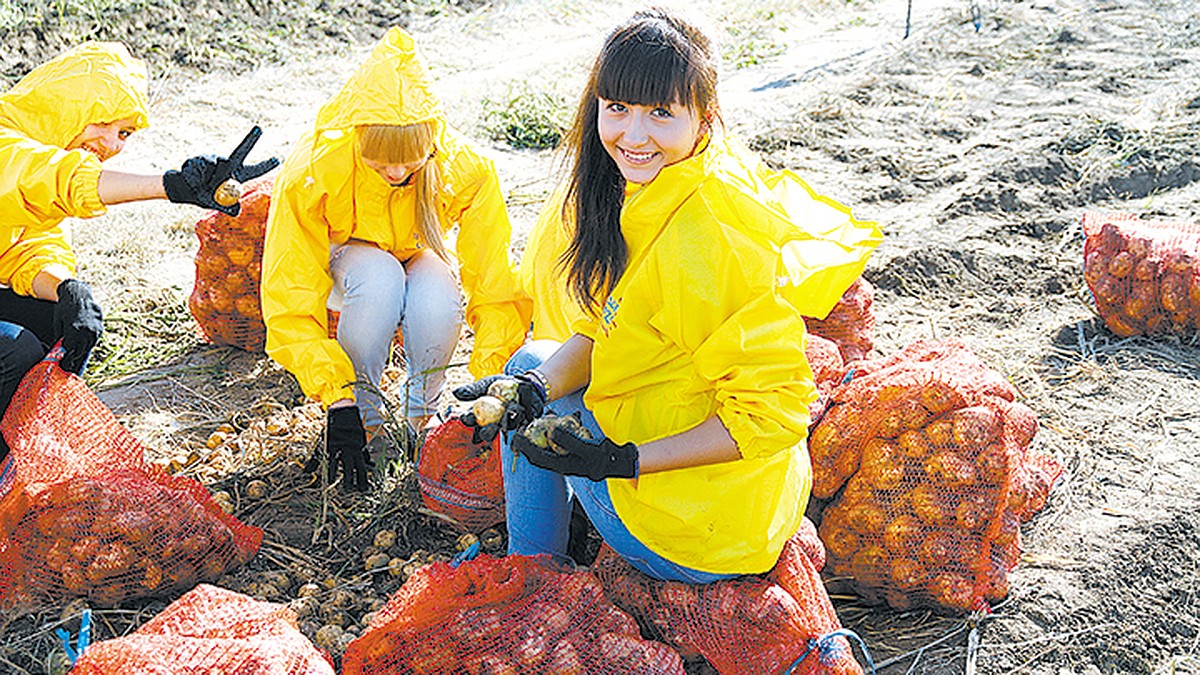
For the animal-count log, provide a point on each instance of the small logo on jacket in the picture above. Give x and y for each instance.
(608, 315)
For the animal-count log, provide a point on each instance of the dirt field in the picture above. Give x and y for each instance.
(977, 142)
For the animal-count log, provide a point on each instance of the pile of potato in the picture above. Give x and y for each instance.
(926, 459)
(512, 615)
(225, 300)
(1144, 276)
(125, 535)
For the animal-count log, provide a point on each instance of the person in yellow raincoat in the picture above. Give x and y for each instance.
(693, 266)
(359, 223)
(58, 125)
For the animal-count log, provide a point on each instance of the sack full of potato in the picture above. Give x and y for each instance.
(782, 621)
(1144, 275)
(927, 464)
(520, 615)
(85, 515)
(211, 630)
(851, 323)
(225, 298)
(461, 479)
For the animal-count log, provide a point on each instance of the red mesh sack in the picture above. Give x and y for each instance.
(461, 479)
(86, 515)
(751, 624)
(927, 458)
(851, 323)
(828, 369)
(514, 615)
(211, 630)
(225, 299)
(1144, 275)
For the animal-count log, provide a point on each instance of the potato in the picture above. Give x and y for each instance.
(504, 389)
(228, 193)
(906, 573)
(487, 410)
(903, 534)
(538, 432)
(953, 590)
(882, 464)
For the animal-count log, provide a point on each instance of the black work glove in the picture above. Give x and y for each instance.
(78, 321)
(345, 446)
(197, 181)
(595, 459)
(528, 406)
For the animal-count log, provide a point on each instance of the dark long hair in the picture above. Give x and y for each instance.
(654, 58)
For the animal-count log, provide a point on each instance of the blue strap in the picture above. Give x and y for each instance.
(829, 650)
(468, 553)
(85, 637)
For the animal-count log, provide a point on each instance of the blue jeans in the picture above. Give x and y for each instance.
(376, 294)
(537, 502)
(20, 350)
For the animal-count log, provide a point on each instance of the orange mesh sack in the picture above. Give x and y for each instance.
(225, 299)
(211, 630)
(828, 369)
(1144, 275)
(518, 615)
(927, 460)
(750, 624)
(461, 479)
(86, 516)
(851, 323)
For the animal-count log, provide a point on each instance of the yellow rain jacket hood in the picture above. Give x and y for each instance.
(41, 183)
(707, 320)
(324, 194)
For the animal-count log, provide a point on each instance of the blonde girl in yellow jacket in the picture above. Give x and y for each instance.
(360, 223)
(58, 125)
(688, 364)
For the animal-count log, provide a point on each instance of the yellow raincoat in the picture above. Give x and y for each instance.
(544, 279)
(41, 184)
(707, 320)
(324, 194)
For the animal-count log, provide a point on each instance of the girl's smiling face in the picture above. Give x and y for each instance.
(642, 139)
(106, 139)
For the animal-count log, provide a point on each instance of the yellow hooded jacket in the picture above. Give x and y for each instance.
(542, 276)
(41, 184)
(324, 194)
(707, 320)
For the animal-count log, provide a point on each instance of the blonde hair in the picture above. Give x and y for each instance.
(392, 144)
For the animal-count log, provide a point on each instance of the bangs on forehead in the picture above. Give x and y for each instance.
(644, 71)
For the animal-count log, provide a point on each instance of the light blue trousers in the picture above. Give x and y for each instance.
(537, 502)
(376, 294)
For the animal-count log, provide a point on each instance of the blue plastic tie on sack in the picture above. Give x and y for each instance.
(850, 373)
(468, 553)
(85, 637)
(829, 650)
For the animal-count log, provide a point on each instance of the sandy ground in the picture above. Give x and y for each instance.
(977, 148)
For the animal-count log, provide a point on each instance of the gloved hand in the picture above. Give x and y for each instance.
(78, 321)
(345, 446)
(595, 459)
(528, 406)
(196, 182)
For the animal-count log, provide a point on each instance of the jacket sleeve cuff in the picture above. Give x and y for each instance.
(85, 189)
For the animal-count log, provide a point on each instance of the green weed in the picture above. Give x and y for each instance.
(526, 117)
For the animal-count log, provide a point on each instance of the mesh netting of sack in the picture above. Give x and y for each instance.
(748, 625)
(87, 516)
(211, 630)
(461, 479)
(1144, 276)
(225, 298)
(851, 322)
(926, 458)
(513, 615)
(828, 369)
